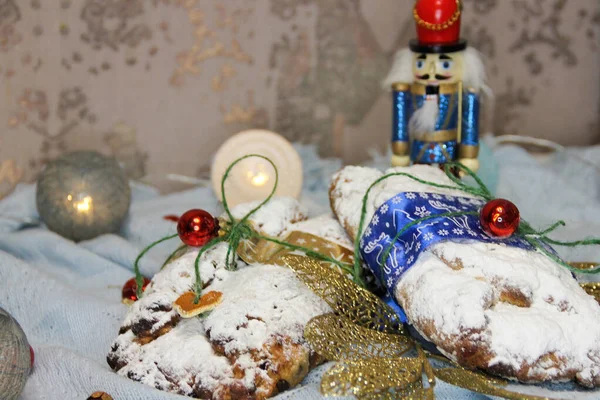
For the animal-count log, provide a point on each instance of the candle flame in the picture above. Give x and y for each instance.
(259, 179)
(257, 174)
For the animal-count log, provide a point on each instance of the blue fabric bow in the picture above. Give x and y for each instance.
(378, 238)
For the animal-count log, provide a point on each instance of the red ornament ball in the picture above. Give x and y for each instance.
(129, 292)
(197, 227)
(500, 218)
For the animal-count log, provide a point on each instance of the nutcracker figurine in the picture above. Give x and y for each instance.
(436, 84)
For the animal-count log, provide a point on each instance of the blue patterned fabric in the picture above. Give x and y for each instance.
(404, 208)
(393, 304)
(76, 287)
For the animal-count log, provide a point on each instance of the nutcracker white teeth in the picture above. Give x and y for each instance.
(436, 84)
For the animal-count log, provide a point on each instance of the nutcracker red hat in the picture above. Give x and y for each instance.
(438, 26)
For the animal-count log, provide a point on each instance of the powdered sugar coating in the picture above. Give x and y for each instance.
(171, 362)
(561, 318)
(275, 217)
(510, 311)
(325, 226)
(264, 307)
(261, 301)
(351, 183)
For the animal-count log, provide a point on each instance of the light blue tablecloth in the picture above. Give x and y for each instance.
(67, 296)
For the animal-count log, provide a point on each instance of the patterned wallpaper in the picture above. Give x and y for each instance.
(160, 84)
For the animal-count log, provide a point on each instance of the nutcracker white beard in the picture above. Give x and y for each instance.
(424, 119)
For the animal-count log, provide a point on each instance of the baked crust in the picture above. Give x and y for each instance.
(508, 311)
(250, 346)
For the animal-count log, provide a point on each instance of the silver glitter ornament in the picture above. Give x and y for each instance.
(82, 195)
(15, 357)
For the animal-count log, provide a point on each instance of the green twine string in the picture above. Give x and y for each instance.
(139, 279)
(406, 227)
(235, 231)
(172, 255)
(536, 238)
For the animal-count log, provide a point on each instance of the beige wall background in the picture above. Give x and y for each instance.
(160, 84)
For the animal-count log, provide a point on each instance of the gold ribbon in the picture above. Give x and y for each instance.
(480, 383)
(378, 378)
(591, 288)
(256, 250)
(375, 359)
(584, 265)
(345, 297)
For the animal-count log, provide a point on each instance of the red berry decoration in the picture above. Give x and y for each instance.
(129, 292)
(499, 218)
(197, 227)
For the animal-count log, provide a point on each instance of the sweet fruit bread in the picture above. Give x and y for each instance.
(509, 311)
(251, 345)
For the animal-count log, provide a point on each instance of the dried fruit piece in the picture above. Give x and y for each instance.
(100, 396)
(186, 307)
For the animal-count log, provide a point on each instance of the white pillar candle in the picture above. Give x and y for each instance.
(253, 178)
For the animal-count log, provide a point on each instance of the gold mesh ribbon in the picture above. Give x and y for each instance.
(345, 297)
(337, 338)
(591, 288)
(480, 383)
(375, 360)
(257, 250)
(583, 266)
(369, 364)
(377, 378)
(326, 279)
